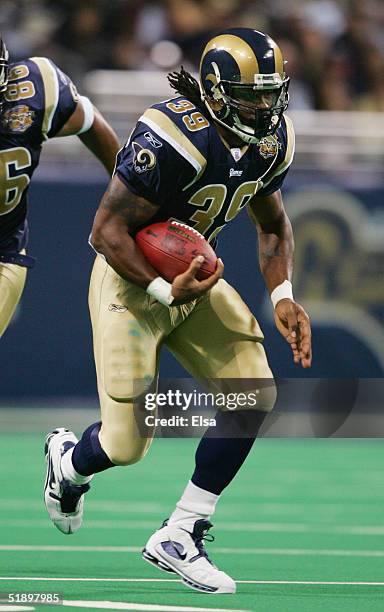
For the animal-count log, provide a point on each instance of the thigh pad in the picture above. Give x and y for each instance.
(129, 361)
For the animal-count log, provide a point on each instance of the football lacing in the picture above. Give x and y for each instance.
(188, 227)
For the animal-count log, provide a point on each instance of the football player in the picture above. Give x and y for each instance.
(37, 102)
(218, 147)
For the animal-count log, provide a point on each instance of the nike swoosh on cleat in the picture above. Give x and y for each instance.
(171, 548)
(182, 557)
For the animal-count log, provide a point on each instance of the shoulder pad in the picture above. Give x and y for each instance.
(286, 137)
(51, 90)
(181, 125)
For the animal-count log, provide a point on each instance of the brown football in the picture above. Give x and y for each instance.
(170, 246)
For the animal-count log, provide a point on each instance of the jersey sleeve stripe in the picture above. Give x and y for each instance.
(289, 154)
(51, 90)
(164, 127)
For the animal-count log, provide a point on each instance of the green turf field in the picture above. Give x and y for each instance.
(300, 530)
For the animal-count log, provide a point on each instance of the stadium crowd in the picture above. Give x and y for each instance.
(334, 48)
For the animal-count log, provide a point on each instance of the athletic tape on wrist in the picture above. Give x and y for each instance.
(284, 290)
(160, 289)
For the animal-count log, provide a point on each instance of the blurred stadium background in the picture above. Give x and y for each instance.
(118, 53)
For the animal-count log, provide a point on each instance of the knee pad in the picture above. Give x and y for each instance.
(129, 361)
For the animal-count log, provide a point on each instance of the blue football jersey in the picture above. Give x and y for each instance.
(176, 159)
(38, 102)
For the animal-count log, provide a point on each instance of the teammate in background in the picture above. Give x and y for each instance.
(37, 102)
(200, 157)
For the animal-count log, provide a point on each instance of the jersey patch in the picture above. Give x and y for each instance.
(144, 159)
(269, 146)
(18, 119)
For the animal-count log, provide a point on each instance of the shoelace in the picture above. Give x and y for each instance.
(71, 495)
(199, 536)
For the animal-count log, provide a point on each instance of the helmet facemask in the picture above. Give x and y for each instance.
(4, 56)
(250, 110)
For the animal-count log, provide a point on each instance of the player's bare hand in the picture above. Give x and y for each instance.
(293, 323)
(186, 287)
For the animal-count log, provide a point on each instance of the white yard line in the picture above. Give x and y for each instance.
(6, 608)
(57, 548)
(157, 509)
(124, 507)
(323, 552)
(254, 527)
(59, 579)
(311, 582)
(121, 605)
(287, 582)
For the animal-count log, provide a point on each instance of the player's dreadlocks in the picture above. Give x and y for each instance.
(186, 85)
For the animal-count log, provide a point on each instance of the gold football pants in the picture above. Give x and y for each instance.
(214, 337)
(12, 281)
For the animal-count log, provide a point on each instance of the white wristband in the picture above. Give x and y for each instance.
(160, 289)
(284, 290)
(89, 115)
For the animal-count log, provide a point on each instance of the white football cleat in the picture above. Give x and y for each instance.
(175, 549)
(64, 500)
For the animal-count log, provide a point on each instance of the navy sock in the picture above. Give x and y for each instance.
(88, 457)
(224, 448)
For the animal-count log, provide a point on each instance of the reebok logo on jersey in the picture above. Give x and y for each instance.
(117, 308)
(153, 140)
(234, 172)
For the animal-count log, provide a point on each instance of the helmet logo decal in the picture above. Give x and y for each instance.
(215, 79)
(239, 50)
(211, 77)
(279, 62)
